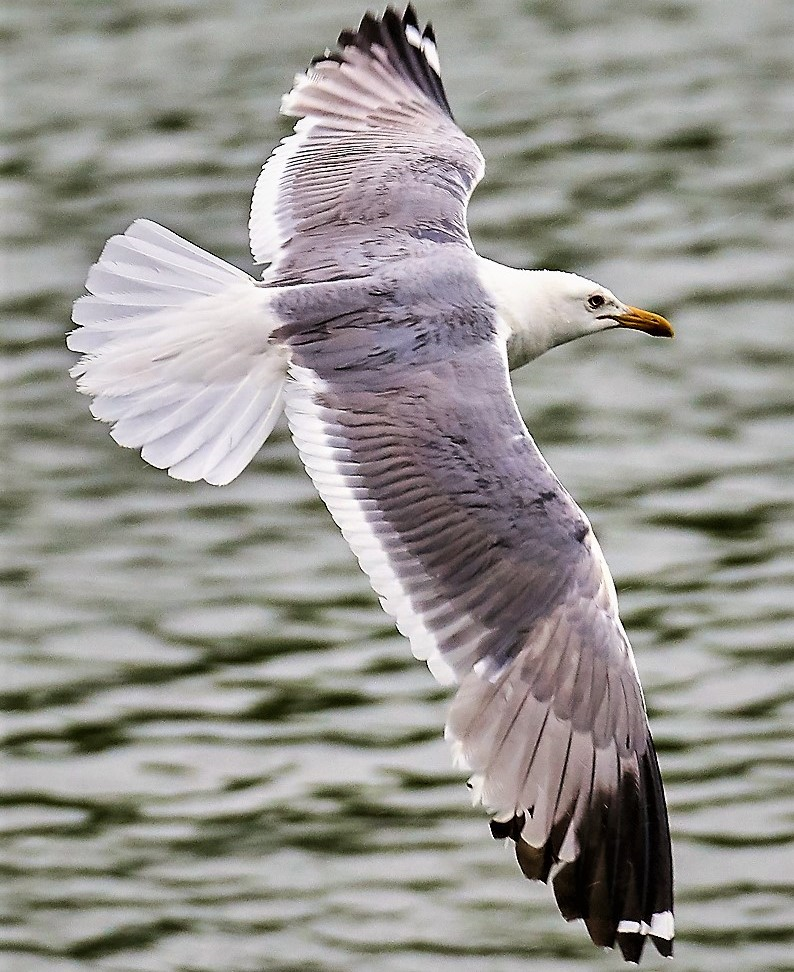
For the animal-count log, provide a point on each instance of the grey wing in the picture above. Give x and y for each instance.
(492, 572)
(376, 166)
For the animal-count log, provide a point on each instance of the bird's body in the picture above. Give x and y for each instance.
(388, 341)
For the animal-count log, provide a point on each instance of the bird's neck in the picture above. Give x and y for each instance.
(530, 315)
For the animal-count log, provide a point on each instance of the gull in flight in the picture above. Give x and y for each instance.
(388, 342)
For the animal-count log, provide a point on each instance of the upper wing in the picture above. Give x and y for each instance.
(492, 571)
(376, 167)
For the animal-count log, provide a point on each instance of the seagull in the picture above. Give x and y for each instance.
(388, 342)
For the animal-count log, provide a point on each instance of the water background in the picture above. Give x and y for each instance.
(220, 755)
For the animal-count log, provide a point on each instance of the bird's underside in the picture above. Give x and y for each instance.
(386, 340)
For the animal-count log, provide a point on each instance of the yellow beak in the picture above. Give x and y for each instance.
(642, 320)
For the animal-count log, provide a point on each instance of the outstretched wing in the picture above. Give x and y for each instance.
(376, 166)
(493, 573)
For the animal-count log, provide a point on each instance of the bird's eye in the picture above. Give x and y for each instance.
(596, 301)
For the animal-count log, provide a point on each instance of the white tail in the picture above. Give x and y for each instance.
(177, 354)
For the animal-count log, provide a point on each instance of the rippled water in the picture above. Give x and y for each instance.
(220, 756)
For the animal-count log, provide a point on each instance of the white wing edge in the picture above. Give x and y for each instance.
(307, 424)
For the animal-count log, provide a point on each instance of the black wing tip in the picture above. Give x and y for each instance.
(621, 883)
(328, 55)
(411, 50)
(664, 946)
(500, 829)
(409, 18)
(631, 946)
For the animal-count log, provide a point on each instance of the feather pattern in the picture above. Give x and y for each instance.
(493, 573)
(176, 354)
(388, 340)
(372, 115)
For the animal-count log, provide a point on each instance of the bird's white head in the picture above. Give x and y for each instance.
(542, 309)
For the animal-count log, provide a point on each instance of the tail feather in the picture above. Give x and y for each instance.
(177, 354)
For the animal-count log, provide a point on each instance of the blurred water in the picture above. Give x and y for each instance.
(220, 756)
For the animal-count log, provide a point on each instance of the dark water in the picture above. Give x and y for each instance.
(220, 756)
